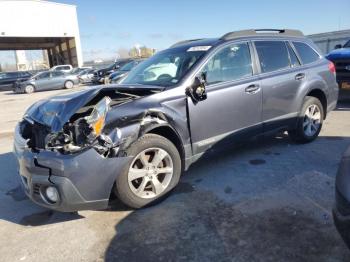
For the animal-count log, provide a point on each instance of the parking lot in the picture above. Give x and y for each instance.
(269, 200)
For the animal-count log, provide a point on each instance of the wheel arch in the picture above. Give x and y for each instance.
(168, 132)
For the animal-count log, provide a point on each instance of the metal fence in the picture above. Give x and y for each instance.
(327, 41)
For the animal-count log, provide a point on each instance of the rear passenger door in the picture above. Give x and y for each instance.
(281, 81)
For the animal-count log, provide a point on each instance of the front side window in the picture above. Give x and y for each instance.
(273, 55)
(166, 68)
(228, 64)
(347, 44)
(306, 53)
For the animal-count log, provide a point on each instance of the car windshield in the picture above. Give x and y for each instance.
(165, 68)
(36, 75)
(347, 44)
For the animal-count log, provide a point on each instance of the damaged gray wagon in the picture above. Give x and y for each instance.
(135, 139)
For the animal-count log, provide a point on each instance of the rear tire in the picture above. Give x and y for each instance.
(152, 173)
(68, 84)
(28, 89)
(309, 121)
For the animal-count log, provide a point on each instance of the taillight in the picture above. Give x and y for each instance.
(331, 67)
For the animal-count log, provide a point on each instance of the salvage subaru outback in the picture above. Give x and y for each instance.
(135, 139)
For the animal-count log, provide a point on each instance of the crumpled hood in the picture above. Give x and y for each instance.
(56, 111)
(342, 53)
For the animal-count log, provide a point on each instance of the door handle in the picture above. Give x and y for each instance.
(252, 89)
(300, 76)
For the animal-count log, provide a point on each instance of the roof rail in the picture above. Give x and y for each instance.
(264, 32)
(185, 41)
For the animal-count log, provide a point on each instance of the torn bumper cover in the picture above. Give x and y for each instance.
(83, 180)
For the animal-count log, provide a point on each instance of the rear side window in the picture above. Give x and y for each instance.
(59, 68)
(273, 55)
(58, 73)
(306, 53)
(230, 63)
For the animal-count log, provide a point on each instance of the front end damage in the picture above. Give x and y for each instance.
(70, 149)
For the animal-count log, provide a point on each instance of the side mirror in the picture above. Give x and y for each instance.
(338, 46)
(197, 90)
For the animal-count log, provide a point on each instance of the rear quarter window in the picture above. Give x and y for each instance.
(273, 55)
(306, 53)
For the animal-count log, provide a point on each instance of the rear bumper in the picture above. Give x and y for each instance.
(83, 180)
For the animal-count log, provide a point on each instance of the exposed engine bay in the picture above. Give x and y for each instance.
(84, 128)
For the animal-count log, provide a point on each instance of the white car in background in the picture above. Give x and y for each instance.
(62, 68)
(165, 70)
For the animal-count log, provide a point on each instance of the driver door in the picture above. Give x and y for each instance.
(233, 108)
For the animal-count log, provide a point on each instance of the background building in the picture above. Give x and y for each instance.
(327, 41)
(41, 25)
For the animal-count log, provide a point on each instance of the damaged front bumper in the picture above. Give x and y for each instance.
(83, 180)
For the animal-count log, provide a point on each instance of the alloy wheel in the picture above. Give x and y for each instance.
(29, 89)
(312, 120)
(150, 173)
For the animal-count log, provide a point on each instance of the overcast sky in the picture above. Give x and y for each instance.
(107, 25)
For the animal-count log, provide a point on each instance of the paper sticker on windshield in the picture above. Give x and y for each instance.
(199, 48)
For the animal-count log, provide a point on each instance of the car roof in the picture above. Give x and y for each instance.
(244, 34)
(197, 42)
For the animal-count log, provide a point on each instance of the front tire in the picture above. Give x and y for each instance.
(309, 122)
(154, 171)
(28, 89)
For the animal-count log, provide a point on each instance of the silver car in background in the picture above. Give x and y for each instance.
(47, 80)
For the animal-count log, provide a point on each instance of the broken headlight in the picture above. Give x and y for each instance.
(96, 119)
